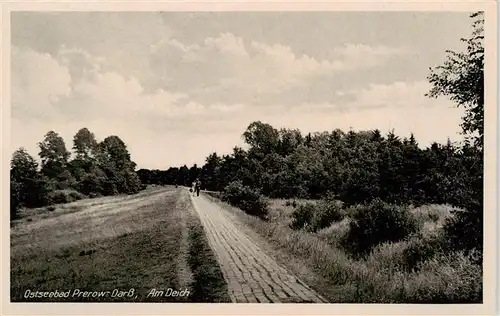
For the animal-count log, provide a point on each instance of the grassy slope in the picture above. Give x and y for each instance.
(330, 271)
(142, 242)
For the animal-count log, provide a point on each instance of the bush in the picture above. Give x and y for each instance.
(302, 215)
(109, 188)
(327, 212)
(34, 193)
(91, 183)
(249, 200)
(375, 223)
(133, 183)
(446, 278)
(388, 257)
(15, 192)
(421, 248)
(65, 196)
(464, 230)
(316, 216)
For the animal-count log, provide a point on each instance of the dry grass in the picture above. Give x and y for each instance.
(432, 217)
(383, 277)
(140, 241)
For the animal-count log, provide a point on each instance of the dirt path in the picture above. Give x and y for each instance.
(251, 275)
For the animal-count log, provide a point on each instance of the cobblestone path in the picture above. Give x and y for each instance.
(251, 275)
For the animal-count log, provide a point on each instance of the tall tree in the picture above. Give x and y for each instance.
(85, 147)
(84, 144)
(114, 160)
(183, 176)
(209, 171)
(27, 189)
(262, 138)
(461, 78)
(194, 173)
(54, 156)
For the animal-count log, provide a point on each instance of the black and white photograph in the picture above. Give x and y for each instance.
(319, 157)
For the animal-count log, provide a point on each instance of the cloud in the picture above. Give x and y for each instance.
(38, 82)
(229, 69)
(396, 94)
(80, 63)
(355, 56)
(74, 90)
(182, 85)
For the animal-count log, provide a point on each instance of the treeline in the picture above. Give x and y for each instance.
(355, 167)
(96, 169)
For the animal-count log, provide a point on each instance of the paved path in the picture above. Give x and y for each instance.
(251, 275)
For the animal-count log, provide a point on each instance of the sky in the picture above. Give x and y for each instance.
(177, 86)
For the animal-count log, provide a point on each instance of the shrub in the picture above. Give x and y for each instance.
(464, 230)
(15, 190)
(316, 216)
(388, 257)
(334, 233)
(65, 196)
(302, 215)
(446, 278)
(421, 248)
(133, 183)
(327, 212)
(249, 200)
(91, 183)
(375, 223)
(109, 188)
(34, 193)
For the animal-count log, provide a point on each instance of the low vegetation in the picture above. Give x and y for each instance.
(249, 200)
(144, 242)
(415, 268)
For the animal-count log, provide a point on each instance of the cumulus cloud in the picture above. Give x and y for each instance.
(396, 94)
(38, 82)
(74, 84)
(228, 67)
(174, 100)
(355, 56)
(72, 90)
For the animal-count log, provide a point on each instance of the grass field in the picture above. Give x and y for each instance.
(126, 245)
(384, 276)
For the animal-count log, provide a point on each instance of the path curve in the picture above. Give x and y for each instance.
(251, 275)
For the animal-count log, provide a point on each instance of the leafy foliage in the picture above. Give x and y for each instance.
(461, 78)
(28, 187)
(316, 216)
(103, 168)
(302, 215)
(64, 196)
(375, 223)
(246, 198)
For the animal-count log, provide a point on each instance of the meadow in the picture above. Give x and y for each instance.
(151, 240)
(412, 270)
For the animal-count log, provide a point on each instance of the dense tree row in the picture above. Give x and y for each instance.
(356, 167)
(97, 168)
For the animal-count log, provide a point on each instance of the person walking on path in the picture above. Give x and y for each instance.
(197, 187)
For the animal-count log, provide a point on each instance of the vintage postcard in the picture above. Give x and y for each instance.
(237, 158)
